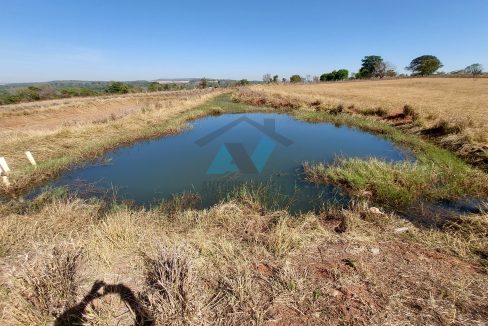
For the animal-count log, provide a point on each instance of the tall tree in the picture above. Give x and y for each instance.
(370, 66)
(424, 65)
(296, 79)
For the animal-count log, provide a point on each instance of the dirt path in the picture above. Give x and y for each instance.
(51, 115)
(63, 118)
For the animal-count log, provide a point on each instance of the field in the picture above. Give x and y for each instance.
(67, 260)
(458, 104)
(460, 100)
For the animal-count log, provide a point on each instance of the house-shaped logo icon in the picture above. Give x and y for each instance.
(233, 157)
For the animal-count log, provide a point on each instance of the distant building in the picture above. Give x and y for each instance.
(173, 81)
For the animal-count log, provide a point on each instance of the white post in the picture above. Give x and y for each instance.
(5, 180)
(30, 158)
(4, 165)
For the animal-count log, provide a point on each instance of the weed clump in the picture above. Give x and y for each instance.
(48, 284)
(409, 111)
(316, 103)
(379, 112)
(170, 284)
(216, 111)
(331, 109)
(180, 202)
(338, 109)
(444, 127)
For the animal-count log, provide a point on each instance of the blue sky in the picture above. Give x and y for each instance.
(127, 40)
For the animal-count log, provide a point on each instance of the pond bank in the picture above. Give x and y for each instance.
(240, 262)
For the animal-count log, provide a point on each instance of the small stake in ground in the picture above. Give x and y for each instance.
(4, 177)
(30, 158)
(4, 165)
(5, 180)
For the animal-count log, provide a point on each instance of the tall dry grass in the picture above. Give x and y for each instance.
(232, 264)
(460, 100)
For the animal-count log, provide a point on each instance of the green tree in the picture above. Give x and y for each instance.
(154, 87)
(77, 91)
(340, 74)
(370, 66)
(243, 82)
(474, 69)
(117, 88)
(424, 65)
(31, 93)
(325, 77)
(275, 78)
(296, 79)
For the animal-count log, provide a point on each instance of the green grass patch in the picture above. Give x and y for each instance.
(436, 174)
(397, 185)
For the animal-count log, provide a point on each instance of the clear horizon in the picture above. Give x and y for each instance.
(147, 40)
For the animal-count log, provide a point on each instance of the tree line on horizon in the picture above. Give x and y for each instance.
(374, 67)
(11, 94)
(58, 90)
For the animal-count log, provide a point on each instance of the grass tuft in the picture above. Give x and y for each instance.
(170, 284)
(380, 112)
(47, 286)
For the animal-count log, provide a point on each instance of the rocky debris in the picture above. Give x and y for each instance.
(375, 210)
(401, 230)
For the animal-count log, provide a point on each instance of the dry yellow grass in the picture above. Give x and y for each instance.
(70, 260)
(461, 100)
(53, 114)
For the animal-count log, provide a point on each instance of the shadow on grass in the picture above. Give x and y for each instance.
(75, 314)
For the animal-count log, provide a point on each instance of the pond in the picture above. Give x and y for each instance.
(220, 154)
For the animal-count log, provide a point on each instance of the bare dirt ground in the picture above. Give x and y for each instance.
(49, 115)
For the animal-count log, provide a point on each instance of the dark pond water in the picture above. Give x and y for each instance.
(219, 154)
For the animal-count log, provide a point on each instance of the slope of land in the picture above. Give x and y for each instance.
(72, 261)
(462, 100)
(452, 111)
(60, 133)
